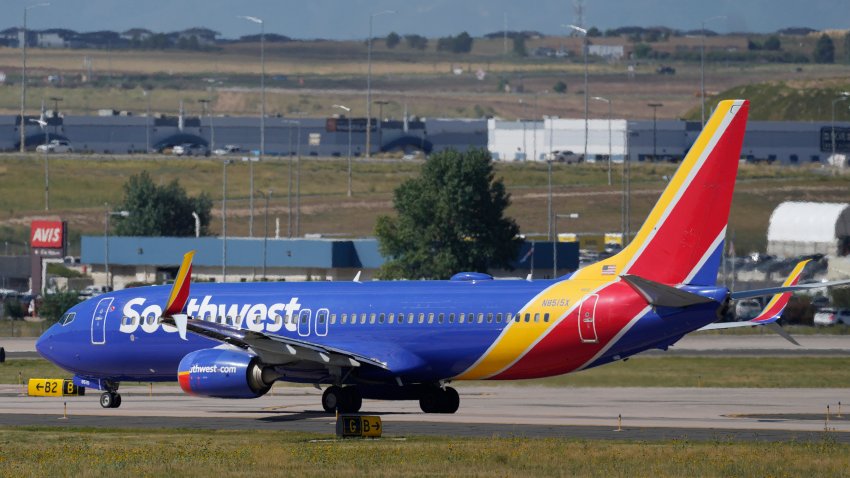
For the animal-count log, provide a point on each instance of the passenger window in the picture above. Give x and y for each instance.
(381, 318)
(499, 318)
(440, 318)
(421, 317)
(537, 317)
(363, 318)
(517, 317)
(391, 318)
(508, 317)
(410, 318)
(431, 318)
(344, 318)
(303, 318)
(452, 318)
(489, 317)
(278, 320)
(546, 317)
(480, 317)
(372, 318)
(461, 318)
(333, 319)
(322, 316)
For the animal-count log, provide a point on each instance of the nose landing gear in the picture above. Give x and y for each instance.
(110, 400)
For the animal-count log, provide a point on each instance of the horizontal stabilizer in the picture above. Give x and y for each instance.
(746, 294)
(662, 295)
(749, 323)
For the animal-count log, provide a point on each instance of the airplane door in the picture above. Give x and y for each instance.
(98, 321)
(321, 325)
(587, 320)
(304, 322)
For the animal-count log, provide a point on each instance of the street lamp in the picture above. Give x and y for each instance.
(289, 189)
(369, 84)
(106, 240)
(43, 124)
(599, 98)
(843, 96)
(702, 65)
(262, 24)
(208, 113)
(654, 107)
(572, 215)
(584, 50)
(224, 220)
(250, 160)
(267, 197)
(24, 74)
(147, 95)
(347, 110)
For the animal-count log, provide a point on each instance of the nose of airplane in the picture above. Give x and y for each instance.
(44, 344)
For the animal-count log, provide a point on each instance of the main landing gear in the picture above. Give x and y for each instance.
(440, 400)
(110, 400)
(344, 399)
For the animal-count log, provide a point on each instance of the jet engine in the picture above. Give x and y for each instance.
(223, 373)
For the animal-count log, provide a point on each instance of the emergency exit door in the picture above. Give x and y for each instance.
(587, 320)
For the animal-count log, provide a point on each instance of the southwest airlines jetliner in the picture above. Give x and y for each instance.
(407, 340)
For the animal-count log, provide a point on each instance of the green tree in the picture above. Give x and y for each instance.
(847, 47)
(824, 50)
(593, 32)
(560, 87)
(450, 219)
(416, 42)
(519, 46)
(392, 40)
(54, 305)
(160, 210)
(772, 43)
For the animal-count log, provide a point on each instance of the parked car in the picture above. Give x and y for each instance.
(747, 309)
(665, 70)
(565, 157)
(190, 149)
(227, 149)
(830, 316)
(55, 146)
(93, 291)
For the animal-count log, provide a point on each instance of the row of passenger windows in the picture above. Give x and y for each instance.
(391, 318)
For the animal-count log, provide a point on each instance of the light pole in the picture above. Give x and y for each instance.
(347, 110)
(43, 124)
(147, 95)
(572, 215)
(24, 74)
(599, 98)
(549, 202)
(584, 50)
(208, 113)
(702, 66)
(250, 160)
(106, 240)
(654, 107)
(843, 96)
(224, 220)
(369, 83)
(267, 197)
(262, 24)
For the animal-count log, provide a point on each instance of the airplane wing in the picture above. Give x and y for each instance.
(773, 310)
(275, 349)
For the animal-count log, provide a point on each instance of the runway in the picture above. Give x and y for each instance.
(647, 413)
(505, 409)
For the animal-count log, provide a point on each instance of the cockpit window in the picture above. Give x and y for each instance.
(67, 318)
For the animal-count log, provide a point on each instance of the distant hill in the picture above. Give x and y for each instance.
(788, 101)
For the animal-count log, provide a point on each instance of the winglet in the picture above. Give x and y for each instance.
(180, 290)
(773, 310)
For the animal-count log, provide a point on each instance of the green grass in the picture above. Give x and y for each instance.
(85, 452)
(640, 371)
(789, 100)
(81, 185)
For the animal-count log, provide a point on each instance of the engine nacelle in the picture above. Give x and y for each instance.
(222, 373)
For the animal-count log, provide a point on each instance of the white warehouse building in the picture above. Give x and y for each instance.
(804, 228)
(533, 140)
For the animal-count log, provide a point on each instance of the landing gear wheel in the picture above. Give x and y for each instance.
(110, 400)
(445, 400)
(332, 398)
(351, 400)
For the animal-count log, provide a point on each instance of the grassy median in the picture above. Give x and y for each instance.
(54, 452)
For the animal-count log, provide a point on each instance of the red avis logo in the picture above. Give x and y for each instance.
(46, 234)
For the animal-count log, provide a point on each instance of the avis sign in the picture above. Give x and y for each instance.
(47, 238)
